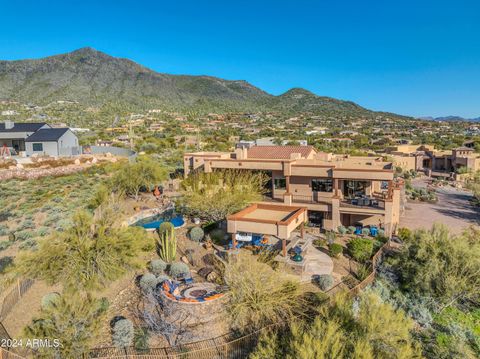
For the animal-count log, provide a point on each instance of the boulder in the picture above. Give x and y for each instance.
(77, 162)
(212, 277)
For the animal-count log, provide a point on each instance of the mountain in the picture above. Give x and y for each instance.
(92, 77)
(450, 119)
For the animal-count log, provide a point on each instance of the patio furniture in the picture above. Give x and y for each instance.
(358, 231)
(373, 231)
(354, 202)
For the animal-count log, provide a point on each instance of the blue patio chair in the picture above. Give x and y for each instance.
(358, 231)
(373, 231)
(188, 280)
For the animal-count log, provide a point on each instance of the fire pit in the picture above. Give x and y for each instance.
(198, 290)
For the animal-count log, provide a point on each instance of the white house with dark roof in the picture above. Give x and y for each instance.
(38, 139)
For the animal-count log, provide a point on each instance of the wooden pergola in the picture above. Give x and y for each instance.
(268, 220)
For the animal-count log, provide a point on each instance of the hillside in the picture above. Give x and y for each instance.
(94, 78)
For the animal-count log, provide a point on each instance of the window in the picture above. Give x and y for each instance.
(280, 183)
(322, 185)
(37, 146)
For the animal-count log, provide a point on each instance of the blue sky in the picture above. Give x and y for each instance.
(411, 57)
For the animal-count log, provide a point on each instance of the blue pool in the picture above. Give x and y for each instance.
(155, 221)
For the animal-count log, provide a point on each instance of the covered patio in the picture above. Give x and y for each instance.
(267, 220)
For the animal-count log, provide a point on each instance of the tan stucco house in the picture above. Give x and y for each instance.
(335, 189)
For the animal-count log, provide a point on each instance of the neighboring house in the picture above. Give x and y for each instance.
(336, 189)
(38, 139)
(432, 161)
(52, 142)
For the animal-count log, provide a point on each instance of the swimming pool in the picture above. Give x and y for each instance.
(153, 222)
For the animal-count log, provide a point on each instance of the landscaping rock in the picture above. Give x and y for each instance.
(184, 260)
(212, 277)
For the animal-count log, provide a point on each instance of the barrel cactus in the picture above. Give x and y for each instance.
(196, 234)
(167, 245)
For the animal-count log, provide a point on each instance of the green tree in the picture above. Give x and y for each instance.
(213, 196)
(89, 255)
(259, 295)
(347, 328)
(130, 178)
(74, 320)
(440, 265)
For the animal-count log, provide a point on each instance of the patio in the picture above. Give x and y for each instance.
(259, 222)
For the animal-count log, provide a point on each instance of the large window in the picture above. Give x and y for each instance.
(322, 185)
(280, 183)
(37, 146)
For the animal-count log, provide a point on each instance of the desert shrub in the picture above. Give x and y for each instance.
(404, 233)
(75, 320)
(360, 248)
(217, 235)
(179, 269)
(351, 229)
(140, 340)
(376, 245)
(43, 231)
(24, 235)
(342, 230)
(319, 242)
(5, 244)
(28, 244)
(259, 295)
(165, 227)
(123, 333)
(157, 266)
(365, 232)
(196, 234)
(5, 262)
(335, 250)
(49, 300)
(325, 281)
(107, 252)
(3, 230)
(331, 237)
(103, 304)
(148, 282)
(362, 272)
(381, 236)
(345, 328)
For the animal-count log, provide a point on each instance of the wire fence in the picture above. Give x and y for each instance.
(227, 346)
(15, 294)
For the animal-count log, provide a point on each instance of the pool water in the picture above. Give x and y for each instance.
(155, 221)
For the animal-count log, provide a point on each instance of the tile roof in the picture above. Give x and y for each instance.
(46, 135)
(22, 127)
(279, 152)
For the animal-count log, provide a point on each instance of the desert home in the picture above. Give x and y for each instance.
(36, 139)
(432, 161)
(337, 190)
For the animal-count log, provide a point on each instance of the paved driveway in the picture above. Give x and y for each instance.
(452, 209)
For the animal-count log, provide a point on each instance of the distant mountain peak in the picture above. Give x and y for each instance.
(91, 77)
(298, 91)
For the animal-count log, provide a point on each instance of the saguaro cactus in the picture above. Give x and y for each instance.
(167, 245)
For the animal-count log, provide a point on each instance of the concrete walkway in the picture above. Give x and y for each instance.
(317, 263)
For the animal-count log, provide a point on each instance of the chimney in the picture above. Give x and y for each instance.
(9, 124)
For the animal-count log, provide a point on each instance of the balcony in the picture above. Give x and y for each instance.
(363, 203)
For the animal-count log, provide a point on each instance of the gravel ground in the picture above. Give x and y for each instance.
(452, 209)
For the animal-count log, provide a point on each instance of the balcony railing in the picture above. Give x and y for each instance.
(303, 199)
(373, 203)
